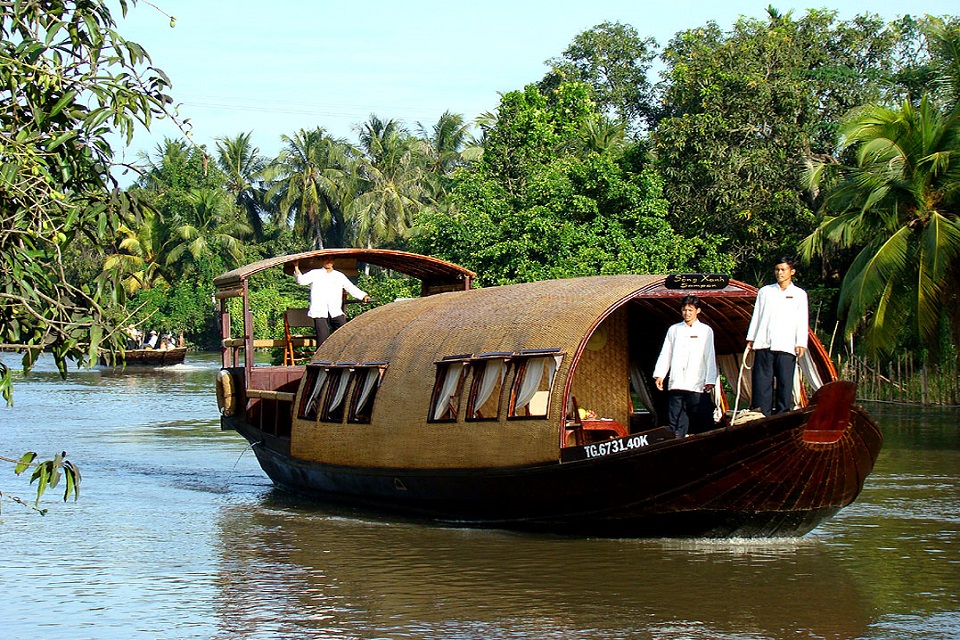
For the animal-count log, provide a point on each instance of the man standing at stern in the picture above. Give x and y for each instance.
(326, 296)
(688, 356)
(778, 336)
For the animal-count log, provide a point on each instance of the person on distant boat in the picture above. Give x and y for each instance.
(326, 296)
(151, 341)
(777, 336)
(688, 356)
(133, 337)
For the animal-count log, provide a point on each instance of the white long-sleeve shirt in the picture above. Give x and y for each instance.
(326, 292)
(780, 319)
(688, 356)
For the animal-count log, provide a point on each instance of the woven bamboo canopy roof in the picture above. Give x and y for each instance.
(539, 315)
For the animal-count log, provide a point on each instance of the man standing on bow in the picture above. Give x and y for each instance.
(326, 296)
(688, 356)
(778, 336)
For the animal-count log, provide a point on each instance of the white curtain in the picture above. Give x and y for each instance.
(449, 387)
(338, 394)
(369, 382)
(315, 392)
(493, 372)
(531, 381)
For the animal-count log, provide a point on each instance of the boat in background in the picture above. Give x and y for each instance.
(463, 406)
(148, 358)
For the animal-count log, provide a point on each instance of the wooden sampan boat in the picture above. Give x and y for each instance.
(149, 357)
(462, 406)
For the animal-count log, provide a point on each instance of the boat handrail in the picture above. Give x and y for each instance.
(268, 394)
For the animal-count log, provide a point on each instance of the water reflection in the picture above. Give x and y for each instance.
(306, 573)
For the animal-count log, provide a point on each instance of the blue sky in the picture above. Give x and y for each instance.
(272, 68)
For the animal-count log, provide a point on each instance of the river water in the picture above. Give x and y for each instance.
(178, 534)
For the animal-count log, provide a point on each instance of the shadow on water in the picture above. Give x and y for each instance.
(307, 570)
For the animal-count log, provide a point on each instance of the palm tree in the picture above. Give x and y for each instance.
(443, 146)
(390, 183)
(171, 157)
(444, 142)
(214, 229)
(243, 164)
(900, 205)
(136, 262)
(309, 180)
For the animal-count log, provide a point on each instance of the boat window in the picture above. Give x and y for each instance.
(485, 390)
(366, 382)
(313, 395)
(446, 391)
(337, 381)
(530, 395)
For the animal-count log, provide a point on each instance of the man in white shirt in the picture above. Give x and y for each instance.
(326, 296)
(688, 356)
(151, 341)
(778, 336)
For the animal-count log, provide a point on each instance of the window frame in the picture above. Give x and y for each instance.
(443, 367)
(359, 376)
(521, 364)
(476, 382)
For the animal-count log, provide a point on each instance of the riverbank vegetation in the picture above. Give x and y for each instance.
(780, 135)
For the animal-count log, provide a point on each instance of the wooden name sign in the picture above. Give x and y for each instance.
(696, 281)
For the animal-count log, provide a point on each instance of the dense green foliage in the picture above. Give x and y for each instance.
(746, 110)
(539, 204)
(593, 169)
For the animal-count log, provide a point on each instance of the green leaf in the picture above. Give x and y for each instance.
(24, 463)
(66, 99)
(72, 473)
(60, 139)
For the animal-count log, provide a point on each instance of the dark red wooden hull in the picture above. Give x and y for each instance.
(769, 477)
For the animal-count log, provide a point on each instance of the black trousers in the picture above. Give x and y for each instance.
(773, 381)
(689, 412)
(326, 326)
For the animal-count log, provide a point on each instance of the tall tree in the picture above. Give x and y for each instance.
(309, 181)
(539, 204)
(745, 111)
(243, 165)
(613, 59)
(213, 229)
(444, 142)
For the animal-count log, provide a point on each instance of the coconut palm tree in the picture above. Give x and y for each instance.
(215, 229)
(443, 146)
(309, 181)
(243, 164)
(444, 142)
(136, 261)
(391, 183)
(899, 204)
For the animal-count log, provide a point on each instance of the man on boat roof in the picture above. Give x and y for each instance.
(326, 296)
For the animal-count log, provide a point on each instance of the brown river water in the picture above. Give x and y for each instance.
(179, 534)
